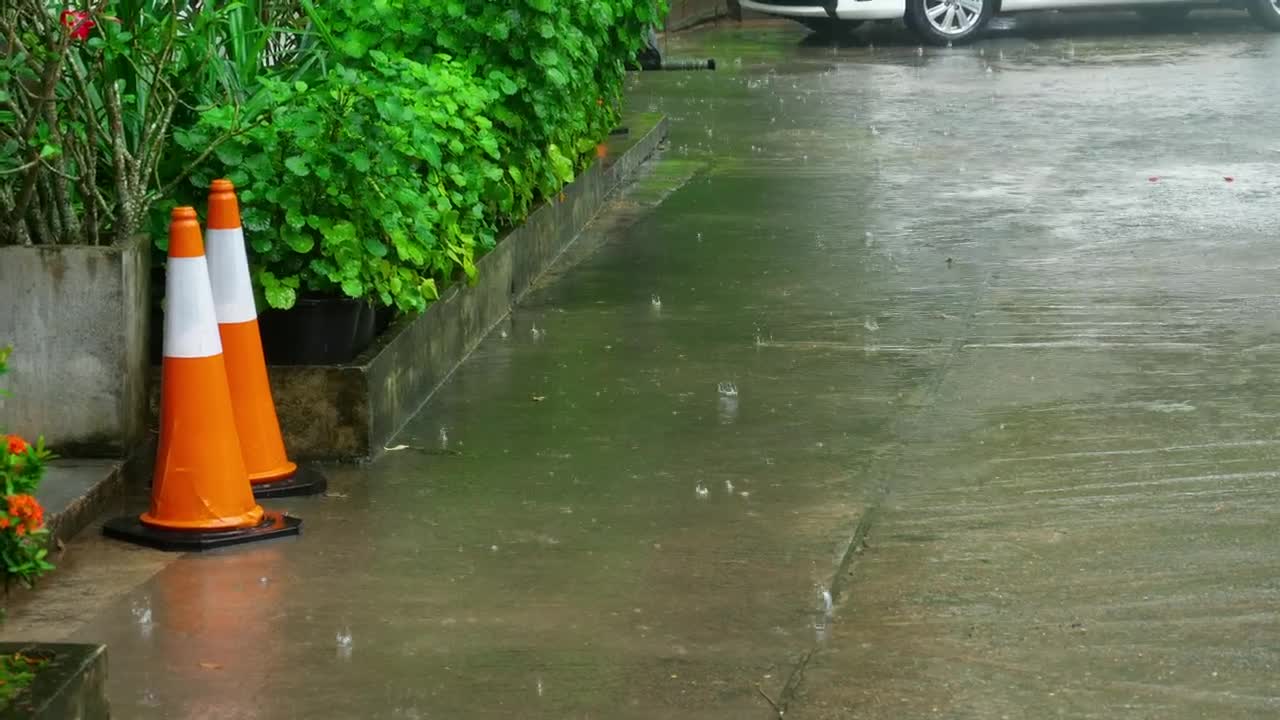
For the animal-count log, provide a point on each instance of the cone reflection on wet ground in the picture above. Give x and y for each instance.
(208, 624)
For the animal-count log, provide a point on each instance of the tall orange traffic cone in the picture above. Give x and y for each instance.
(200, 496)
(261, 444)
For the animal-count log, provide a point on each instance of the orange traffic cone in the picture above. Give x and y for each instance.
(200, 497)
(261, 444)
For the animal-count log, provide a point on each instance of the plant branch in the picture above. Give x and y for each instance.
(48, 86)
(87, 157)
(21, 167)
(123, 163)
(69, 221)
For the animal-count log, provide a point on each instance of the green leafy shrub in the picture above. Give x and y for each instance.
(558, 64)
(379, 146)
(408, 135)
(374, 181)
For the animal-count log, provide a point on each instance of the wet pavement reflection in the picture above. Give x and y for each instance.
(906, 383)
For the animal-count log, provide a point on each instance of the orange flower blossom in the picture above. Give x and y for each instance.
(17, 445)
(28, 513)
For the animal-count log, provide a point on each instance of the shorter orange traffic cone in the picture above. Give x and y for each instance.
(270, 471)
(200, 497)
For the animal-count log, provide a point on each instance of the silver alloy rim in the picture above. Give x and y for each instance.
(1275, 6)
(957, 17)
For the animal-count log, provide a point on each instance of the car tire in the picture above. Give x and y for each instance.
(949, 22)
(1165, 14)
(1266, 13)
(831, 27)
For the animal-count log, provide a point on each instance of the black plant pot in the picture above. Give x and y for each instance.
(382, 318)
(156, 338)
(315, 331)
(367, 329)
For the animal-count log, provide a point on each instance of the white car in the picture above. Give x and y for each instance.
(943, 22)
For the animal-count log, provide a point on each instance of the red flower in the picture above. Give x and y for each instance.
(29, 514)
(77, 23)
(17, 445)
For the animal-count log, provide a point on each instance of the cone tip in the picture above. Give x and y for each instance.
(224, 209)
(184, 233)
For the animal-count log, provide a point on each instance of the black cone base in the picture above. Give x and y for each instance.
(308, 480)
(131, 529)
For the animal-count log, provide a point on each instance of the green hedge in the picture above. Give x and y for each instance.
(417, 131)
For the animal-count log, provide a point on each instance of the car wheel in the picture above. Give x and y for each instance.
(831, 27)
(1266, 13)
(1167, 14)
(949, 22)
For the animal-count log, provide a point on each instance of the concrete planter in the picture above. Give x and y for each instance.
(78, 319)
(350, 411)
(71, 687)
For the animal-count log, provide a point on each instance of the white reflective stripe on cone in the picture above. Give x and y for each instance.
(229, 275)
(190, 325)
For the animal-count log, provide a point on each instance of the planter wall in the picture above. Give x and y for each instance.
(71, 687)
(350, 411)
(78, 320)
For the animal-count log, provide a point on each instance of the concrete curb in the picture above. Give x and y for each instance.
(73, 685)
(74, 492)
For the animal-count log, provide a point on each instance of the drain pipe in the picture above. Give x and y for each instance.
(684, 65)
(650, 59)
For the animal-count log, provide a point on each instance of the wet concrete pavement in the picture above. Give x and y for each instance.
(1002, 336)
